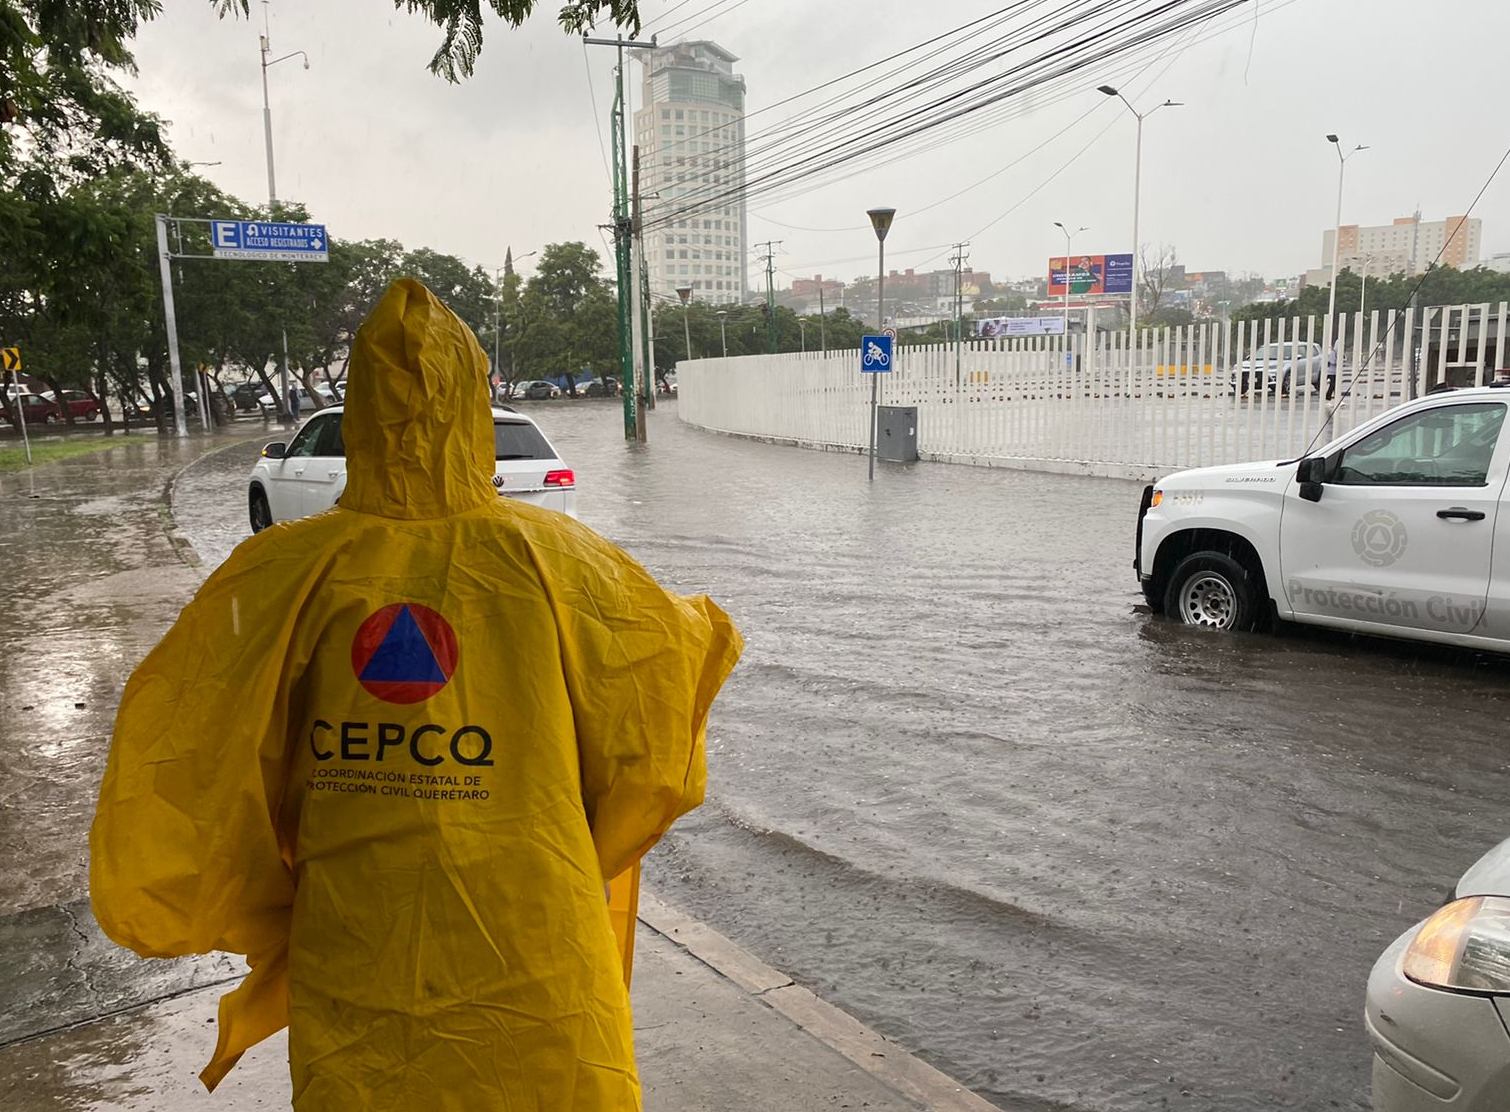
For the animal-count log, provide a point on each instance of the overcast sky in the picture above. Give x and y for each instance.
(1240, 178)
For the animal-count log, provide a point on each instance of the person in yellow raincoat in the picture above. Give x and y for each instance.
(392, 752)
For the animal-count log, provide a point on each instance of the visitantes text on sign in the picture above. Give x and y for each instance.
(269, 241)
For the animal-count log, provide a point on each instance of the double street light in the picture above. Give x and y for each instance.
(272, 185)
(1111, 91)
(1331, 306)
(1068, 238)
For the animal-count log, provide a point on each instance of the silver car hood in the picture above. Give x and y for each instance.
(1489, 875)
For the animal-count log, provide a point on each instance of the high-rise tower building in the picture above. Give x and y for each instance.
(691, 135)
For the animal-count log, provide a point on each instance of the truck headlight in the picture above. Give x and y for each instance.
(1464, 946)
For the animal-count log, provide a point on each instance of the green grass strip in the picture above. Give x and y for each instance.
(14, 459)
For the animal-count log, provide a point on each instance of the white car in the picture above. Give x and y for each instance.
(1281, 365)
(1438, 1003)
(308, 474)
(269, 405)
(1398, 528)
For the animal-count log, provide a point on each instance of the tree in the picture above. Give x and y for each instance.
(461, 21)
(64, 124)
(1154, 273)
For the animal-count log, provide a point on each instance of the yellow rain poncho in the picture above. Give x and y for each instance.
(392, 752)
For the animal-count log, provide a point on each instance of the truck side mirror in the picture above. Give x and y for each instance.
(1312, 474)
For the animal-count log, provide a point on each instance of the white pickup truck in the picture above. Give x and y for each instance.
(1397, 528)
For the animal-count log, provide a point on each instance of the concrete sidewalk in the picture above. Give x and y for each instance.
(84, 1024)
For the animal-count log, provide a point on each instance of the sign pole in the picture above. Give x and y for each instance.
(175, 370)
(880, 223)
(21, 411)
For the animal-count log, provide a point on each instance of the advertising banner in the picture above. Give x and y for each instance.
(1089, 275)
(990, 327)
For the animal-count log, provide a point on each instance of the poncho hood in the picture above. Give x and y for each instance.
(418, 426)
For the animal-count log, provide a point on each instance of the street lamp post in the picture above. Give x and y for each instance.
(1068, 237)
(880, 222)
(498, 317)
(802, 328)
(1363, 288)
(685, 293)
(1331, 305)
(723, 317)
(1109, 90)
(272, 183)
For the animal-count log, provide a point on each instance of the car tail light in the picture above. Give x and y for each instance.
(560, 479)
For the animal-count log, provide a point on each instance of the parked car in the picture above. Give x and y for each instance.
(605, 387)
(145, 409)
(269, 406)
(35, 409)
(1388, 529)
(1281, 364)
(245, 396)
(1438, 1002)
(538, 389)
(307, 474)
(666, 384)
(81, 404)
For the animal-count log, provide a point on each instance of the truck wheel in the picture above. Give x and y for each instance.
(1212, 590)
(261, 513)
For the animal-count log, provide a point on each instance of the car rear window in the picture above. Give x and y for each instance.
(519, 440)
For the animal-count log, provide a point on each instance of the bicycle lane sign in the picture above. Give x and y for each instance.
(876, 354)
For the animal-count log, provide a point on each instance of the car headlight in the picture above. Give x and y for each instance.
(1464, 946)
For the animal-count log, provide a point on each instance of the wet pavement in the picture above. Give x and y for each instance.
(1074, 856)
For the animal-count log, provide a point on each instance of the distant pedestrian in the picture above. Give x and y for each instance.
(1331, 371)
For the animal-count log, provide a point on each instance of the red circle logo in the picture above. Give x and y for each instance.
(404, 653)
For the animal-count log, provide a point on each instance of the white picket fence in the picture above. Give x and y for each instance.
(1054, 403)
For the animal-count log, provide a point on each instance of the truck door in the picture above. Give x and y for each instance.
(1404, 530)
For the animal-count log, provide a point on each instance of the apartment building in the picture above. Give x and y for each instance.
(691, 135)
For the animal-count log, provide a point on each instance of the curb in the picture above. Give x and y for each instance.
(894, 1067)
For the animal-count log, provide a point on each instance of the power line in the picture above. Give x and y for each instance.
(593, 98)
(1095, 44)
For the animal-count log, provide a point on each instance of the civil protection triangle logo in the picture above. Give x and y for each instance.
(404, 653)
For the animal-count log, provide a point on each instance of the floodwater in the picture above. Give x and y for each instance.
(962, 786)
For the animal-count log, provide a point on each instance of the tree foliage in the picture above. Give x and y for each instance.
(1443, 285)
(461, 23)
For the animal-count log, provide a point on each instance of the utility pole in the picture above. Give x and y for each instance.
(623, 235)
(640, 379)
(770, 291)
(822, 320)
(959, 261)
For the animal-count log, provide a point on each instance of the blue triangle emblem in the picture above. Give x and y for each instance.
(404, 656)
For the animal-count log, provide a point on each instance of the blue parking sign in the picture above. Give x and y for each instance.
(875, 354)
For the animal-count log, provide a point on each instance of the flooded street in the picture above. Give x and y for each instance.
(961, 786)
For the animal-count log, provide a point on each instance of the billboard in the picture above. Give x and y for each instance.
(1089, 275)
(991, 327)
